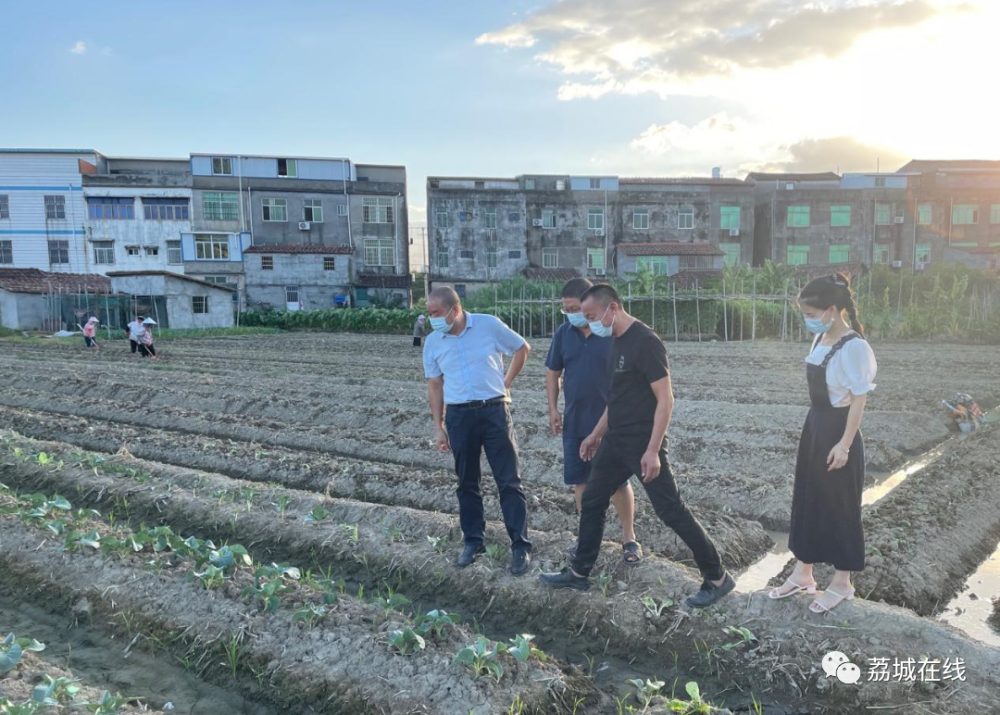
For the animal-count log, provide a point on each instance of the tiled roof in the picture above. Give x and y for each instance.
(923, 165)
(375, 280)
(670, 249)
(32, 280)
(302, 248)
(818, 176)
(168, 274)
(550, 274)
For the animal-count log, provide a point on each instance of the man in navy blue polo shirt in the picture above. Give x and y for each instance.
(580, 358)
(463, 363)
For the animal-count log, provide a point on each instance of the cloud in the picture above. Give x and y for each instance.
(842, 153)
(716, 132)
(630, 46)
(79, 48)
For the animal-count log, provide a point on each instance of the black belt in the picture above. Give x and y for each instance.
(477, 404)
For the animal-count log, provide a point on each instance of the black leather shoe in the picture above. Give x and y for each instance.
(520, 560)
(709, 593)
(565, 579)
(469, 555)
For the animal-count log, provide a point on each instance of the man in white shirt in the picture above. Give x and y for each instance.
(463, 363)
(135, 331)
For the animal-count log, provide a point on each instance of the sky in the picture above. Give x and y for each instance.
(623, 87)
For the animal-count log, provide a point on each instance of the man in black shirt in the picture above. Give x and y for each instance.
(630, 439)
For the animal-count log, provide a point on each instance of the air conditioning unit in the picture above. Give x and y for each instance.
(599, 232)
(899, 219)
(304, 225)
(897, 264)
(734, 232)
(601, 272)
(536, 222)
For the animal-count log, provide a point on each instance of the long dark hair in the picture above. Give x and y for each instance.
(833, 291)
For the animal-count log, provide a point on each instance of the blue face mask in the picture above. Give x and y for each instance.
(816, 325)
(441, 324)
(601, 330)
(577, 320)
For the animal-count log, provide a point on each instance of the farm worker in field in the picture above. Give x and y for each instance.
(830, 469)
(146, 348)
(419, 331)
(89, 332)
(630, 438)
(579, 360)
(134, 332)
(463, 363)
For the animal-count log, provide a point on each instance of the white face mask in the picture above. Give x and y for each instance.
(598, 327)
(441, 324)
(577, 319)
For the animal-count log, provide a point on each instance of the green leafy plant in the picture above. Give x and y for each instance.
(438, 543)
(481, 658)
(317, 515)
(394, 533)
(391, 601)
(281, 506)
(53, 691)
(437, 623)
(12, 649)
(228, 557)
(109, 704)
(270, 582)
(406, 641)
(521, 650)
(494, 552)
(603, 581)
(310, 615)
(646, 690)
(352, 529)
(211, 577)
(76, 540)
(747, 637)
(655, 608)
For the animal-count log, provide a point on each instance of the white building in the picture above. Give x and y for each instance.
(43, 215)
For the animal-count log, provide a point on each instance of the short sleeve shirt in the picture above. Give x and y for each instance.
(583, 362)
(472, 361)
(638, 359)
(851, 370)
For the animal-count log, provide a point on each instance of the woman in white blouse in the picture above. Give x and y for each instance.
(830, 469)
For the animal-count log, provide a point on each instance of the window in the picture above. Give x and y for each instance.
(798, 216)
(4, 206)
(840, 215)
(685, 220)
(732, 251)
(211, 247)
(199, 304)
(548, 218)
(152, 251)
(550, 258)
(274, 209)
(595, 258)
(924, 214)
(480, 184)
(879, 182)
(165, 209)
(965, 214)
(465, 254)
(657, 265)
(595, 183)
(220, 205)
(490, 218)
(995, 213)
(640, 219)
(491, 258)
(883, 214)
(595, 219)
(442, 259)
(312, 210)
(529, 184)
(6, 251)
(798, 255)
(840, 253)
(377, 210)
(729, 217)
(329, 263)
(58, 252)
(560, 185)
(513, 254)
(107, 207)
(291, 294)
(288, 168)
(132, 250)
(380, 252)
(789, 187)
(442, 219)
(881, 254)
(923, 253)
(267, 263)
(55, 208)
(222, 166)
(174, 256)
(341, 209)
(460, 289)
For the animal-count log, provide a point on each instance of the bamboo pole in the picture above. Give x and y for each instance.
(653, 318)
(677, 336)
(697, 307)
(725, 315)
(753, 330)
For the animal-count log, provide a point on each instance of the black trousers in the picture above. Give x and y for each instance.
(617, 459)
(133, 344)
(147, 350)
(489, 429)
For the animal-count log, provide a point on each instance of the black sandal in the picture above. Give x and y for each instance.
(633, 553)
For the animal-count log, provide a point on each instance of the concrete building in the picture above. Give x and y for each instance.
(137, 210)
(280, 201)
(488, 229)
(298, 276)
(43, 216)
(31, 299)
(175, 300)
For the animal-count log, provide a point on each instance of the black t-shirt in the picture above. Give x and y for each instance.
(638, 359)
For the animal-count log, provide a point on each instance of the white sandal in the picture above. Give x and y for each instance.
(775, 595)
(817, 607)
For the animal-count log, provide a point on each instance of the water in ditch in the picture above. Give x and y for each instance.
(971, 608)
(100, 662)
